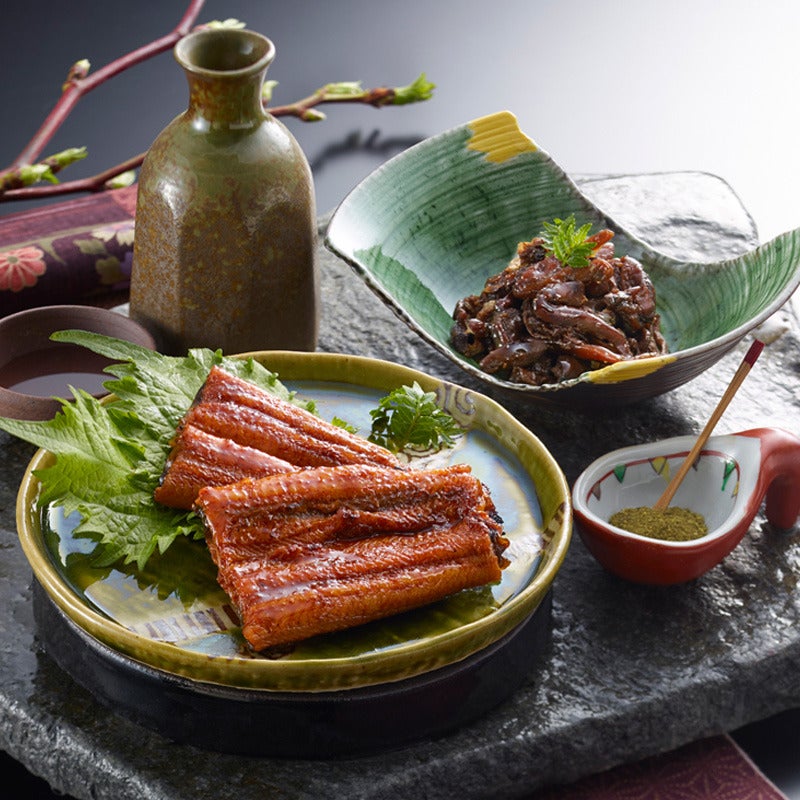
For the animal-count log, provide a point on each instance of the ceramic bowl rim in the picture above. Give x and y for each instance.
(92, 318)
(600, 466)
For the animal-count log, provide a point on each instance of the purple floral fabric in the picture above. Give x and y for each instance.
(76, 251)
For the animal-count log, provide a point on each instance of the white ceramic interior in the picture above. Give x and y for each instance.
(719, 486)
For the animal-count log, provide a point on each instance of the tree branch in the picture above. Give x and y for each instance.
(28, 168)
(76, 86)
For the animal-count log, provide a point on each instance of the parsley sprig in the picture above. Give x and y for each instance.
(408, 417)
(568, 244)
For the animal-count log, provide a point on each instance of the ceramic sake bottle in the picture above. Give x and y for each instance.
(225, 238)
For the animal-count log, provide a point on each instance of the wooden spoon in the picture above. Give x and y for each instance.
(747, 362)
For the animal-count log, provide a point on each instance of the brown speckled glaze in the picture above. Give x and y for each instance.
(224, 252)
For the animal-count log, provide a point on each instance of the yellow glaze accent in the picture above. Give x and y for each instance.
(628, 370)
(661, 467)
(498, 135)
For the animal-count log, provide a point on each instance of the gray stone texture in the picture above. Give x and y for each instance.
(630, 671)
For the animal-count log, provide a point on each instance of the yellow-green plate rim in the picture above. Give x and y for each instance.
(323, 674)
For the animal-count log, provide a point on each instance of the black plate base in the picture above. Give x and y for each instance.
(294, 724)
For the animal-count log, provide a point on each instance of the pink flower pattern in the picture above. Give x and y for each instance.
(21, 268)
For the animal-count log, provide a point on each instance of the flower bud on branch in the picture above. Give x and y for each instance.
(352, 92)
(79, 70)
(27, 174)
(17, 181)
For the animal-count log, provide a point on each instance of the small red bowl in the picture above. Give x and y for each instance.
(727, 484)
(34, 370)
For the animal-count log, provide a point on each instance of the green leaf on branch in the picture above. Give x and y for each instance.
(351, 89)
(29, 174)
(225, 23)
(67, 157)
(122, 180)
(421, 89)
(267, 89)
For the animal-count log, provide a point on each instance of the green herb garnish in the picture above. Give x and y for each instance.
(344, 425)
(409, 418)
(109, 456)
(568, 245)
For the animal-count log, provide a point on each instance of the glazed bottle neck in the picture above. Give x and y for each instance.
(225, 102)
(225, 69)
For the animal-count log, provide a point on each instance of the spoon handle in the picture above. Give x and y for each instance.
(741, 373)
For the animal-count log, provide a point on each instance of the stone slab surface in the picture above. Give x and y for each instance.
(630, 671)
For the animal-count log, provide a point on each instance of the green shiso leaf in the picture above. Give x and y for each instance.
(109, 456)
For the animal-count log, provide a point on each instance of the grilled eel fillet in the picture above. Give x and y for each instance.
(236, 430)
(327, 548)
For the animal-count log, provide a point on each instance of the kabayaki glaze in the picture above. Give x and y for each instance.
(327, 548)
(314, 529)
(234, 429)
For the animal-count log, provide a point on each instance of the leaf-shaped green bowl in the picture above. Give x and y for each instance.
(431, 225)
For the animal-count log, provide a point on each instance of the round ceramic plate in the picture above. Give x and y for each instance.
(174, 617)
(302, 724)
